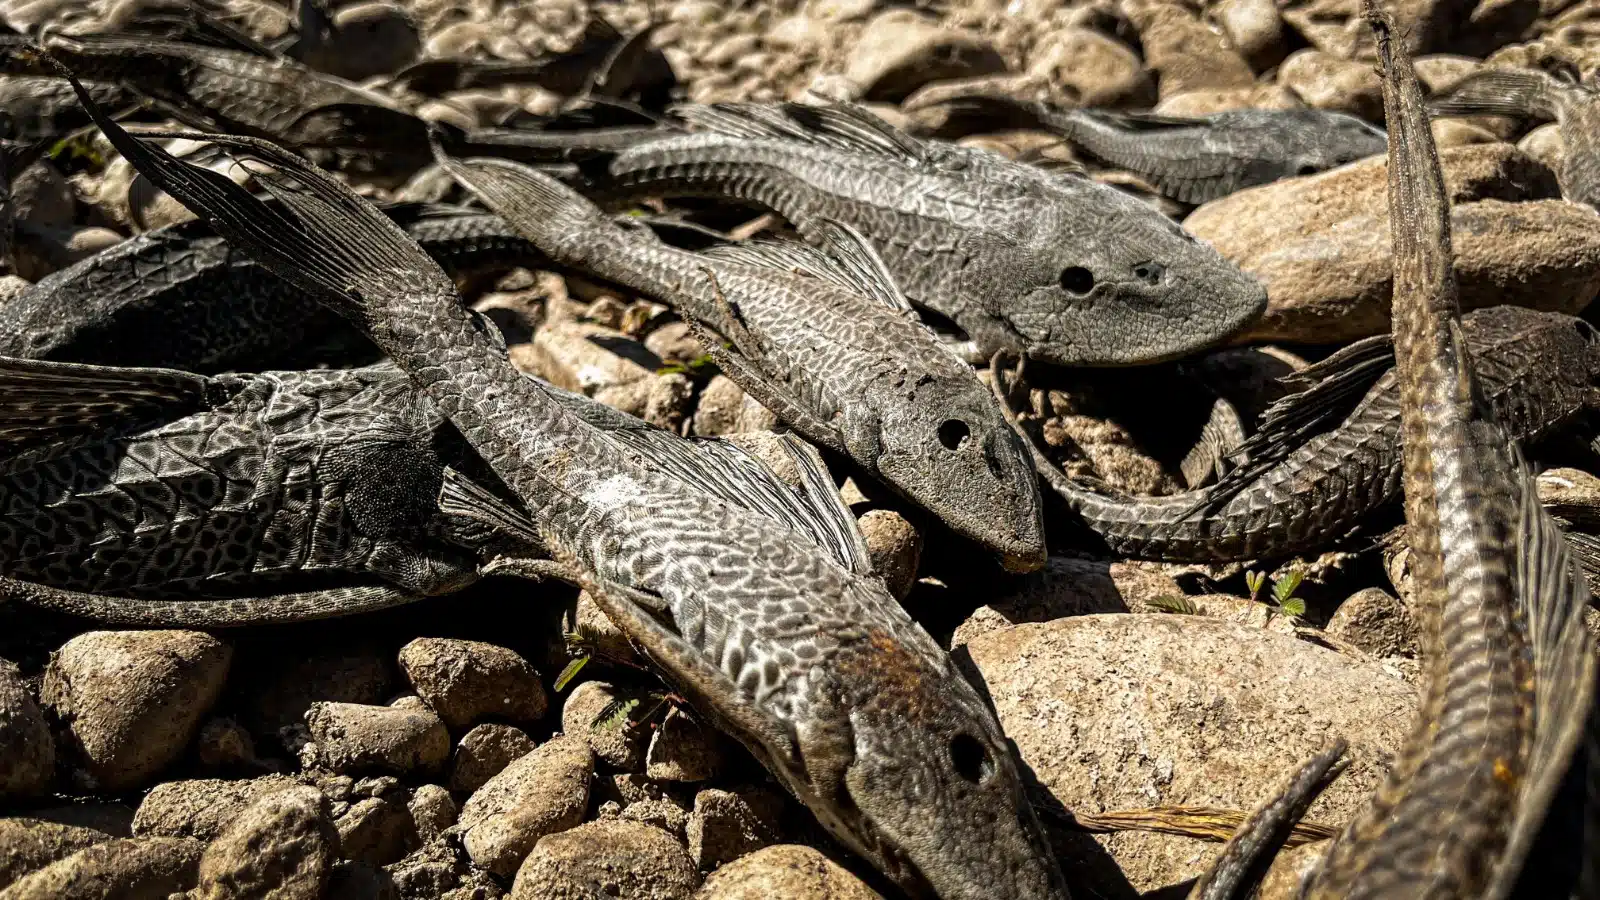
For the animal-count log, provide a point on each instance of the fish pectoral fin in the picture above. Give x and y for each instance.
(1210, 455)
(769, 393)
(705, 686)
(461, 496)
(46, 401)
(1271, 826)
(1517, 93)
(232, 612)
(1553, 595)
(848, 261)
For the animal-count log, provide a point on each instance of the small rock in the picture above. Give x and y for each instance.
(1459, 133)
(134, 699)
(1254, 28)
(224, 743)
(1120, 712)
(1377, 622)
(126, 868)
(1545, 145)
(41, 197)
(1289, 870)
(725, 409)
(622, 859)
(282, 846)
(1184, 53)
(675, 342)
(1321, 243)
(352, 737)
(27, 749)
(483, 752)
(464, 681)
(584, 357)
(901, 50)
(110, 817)
(359, 881)
(542, 793)
(667, 815)
(1208, 102)
(368, 39)
(1328, 82)
(27, 845)
(439, 868)
(38, 251)
(725, 826)
(201, 808)
(620, 744)
(789, 871)
(835, 11)
(682, 750)
(376, 831)
(432, 811)
(895, 546)
(1562, 489)
(1090, 69)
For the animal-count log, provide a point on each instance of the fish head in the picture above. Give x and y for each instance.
(1329, 140)
(1099, 278)
(928, 789)
(947, 447)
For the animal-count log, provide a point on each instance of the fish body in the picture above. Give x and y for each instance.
(180, 297)
(1521, 93)
(825, 340)
(1050, 265)
(1509, 669)
(812, 665)
(1327, 459)
(1195, 160)
(157, 483)
(232, 91)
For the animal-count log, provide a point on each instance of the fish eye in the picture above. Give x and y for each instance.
(1077, 280)
(971, 758)
(953, 433)
(1149, 272)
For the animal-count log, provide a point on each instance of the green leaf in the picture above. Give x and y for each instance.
(1284, 587)
(1178, 604)
(570, 672)
(1254, 580)
(616, 713)
(1294, 606)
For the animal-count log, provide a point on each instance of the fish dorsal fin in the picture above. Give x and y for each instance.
(857, 260)
(1517, 93)
(848, 261)
(837, 126)
(48, 401)
(1139, 121)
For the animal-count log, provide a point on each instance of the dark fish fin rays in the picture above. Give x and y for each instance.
(1504, 92)
(535, 204)
(1553, 595)
(283, 238)
(838, 126)
(462, 497)
(1333, 388)
(47, 401)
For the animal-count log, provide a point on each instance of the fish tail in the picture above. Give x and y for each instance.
(1519, 93)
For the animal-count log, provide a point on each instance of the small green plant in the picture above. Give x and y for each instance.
(700, 365)
(1283, 599)
(1175, 603)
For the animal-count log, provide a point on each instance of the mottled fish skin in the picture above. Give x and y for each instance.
(1053, 266)
(818, 670)
(846, 364)
(1509, 669)
(248, 484)
(1538, 371)
(1195, 160)
(38, 108)
(1525, 92)
(182, 298)
(231, 91)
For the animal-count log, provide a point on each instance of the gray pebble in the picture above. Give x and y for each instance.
(465, 681)
(625, 860)
(27, 749)
(542, 793)
(351, 737)
(282, 846)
